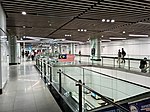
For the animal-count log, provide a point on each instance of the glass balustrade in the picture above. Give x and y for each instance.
(112, 84)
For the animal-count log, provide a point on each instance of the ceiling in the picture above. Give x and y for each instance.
(56, 18)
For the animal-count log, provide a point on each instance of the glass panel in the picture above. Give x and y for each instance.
(70, 92)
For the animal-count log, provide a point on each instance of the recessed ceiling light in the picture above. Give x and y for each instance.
(24, 26)
(112, 20)
(81, 29)
(78, 29)
(85, 30)
(103, 20)
(123, 32)
(24, 13)
(107, 20)
(102, 36)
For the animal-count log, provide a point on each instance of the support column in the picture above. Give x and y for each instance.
(13, 50)
(52, 47)
(18, 53)
(59, 49)
(95, 48)
(72, 46)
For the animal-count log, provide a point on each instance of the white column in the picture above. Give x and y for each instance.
(95, 44)
(52, 47)
(18, 53)
(72, 45)
(59, 49)
(13, 50)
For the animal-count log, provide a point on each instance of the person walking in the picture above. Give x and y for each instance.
(123, 53)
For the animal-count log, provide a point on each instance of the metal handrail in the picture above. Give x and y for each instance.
(112, 57)
(117, 78)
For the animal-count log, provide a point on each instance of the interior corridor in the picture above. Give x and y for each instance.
(26, 92)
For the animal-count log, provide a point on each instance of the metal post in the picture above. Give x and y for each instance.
(102, 61)
(41, 67)
(128, 64)
(50, 74)
(59, 80)
(44, 71)
(149, 65)
(48, 70)
(119, 62)
(39, 63)
(36, 62)
(114, 62)
(80, 96)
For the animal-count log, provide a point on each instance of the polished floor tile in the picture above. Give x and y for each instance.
(26, 92)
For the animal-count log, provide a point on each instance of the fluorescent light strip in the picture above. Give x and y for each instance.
(133, 35)
(116, 38)
(105, 40)
(143, 23)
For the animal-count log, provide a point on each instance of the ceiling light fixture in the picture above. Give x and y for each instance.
(116, 38)
(133, 35)
(107, 20)
(112, 21)
(123, 32)
(24, 13)
(103, 20)
(81, 29)
(102, 36)
(85, 30)
(67, 35)
(78, 29)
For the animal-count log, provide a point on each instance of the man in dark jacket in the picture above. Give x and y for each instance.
(143, 65)
(123, 53)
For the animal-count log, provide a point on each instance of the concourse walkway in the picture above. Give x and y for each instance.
(26, 92)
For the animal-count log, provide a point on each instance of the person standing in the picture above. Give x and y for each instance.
(119, 56)
(123, 53)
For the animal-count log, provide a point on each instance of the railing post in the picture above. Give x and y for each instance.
(36, 62)
(119, 62)
(59, 80)
(114, 62)
(80, 96)
(50, 74)
(149, 65)
(44, 71)
(41, 68)
(102, 61)
(128, 64)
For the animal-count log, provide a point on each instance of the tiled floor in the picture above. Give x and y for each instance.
(26, 92)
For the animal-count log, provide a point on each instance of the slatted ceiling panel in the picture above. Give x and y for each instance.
(90, 24)
(30, 19)
(50, 3)
(61, 11)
